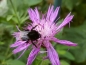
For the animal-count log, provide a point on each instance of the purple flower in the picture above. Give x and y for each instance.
(46, 27)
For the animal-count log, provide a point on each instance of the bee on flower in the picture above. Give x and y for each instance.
(40, 33)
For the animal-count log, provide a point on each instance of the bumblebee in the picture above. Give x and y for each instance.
(32, 35)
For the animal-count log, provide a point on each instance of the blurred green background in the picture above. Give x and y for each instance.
(14, 12)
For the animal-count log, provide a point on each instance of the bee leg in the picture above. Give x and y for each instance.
(34, 27)
(34, 44)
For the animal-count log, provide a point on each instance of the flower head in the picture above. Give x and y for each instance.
(46, 29)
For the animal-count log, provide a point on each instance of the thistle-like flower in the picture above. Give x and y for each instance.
(40, 33)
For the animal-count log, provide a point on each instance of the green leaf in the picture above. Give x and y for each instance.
(2, 57)
(9, 17)
(15, 62)
(33, 2)
(69, 56)
(63, 62)
(15, 20)
(37, 62)
(16, 3)
(69, 4)
(77, 35)
(61, 52)
(24, 17)
(45, 62)
(65, 54)
(2, 43)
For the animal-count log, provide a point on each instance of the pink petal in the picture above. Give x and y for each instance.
(20, 48)
(31, 14)
(54, 14)
(66, 21)
(50, 10)
(37, 13)
(65, 42)
(53, 56)
(34, 15)
(32, 55)
(17, 43)
(46, 43)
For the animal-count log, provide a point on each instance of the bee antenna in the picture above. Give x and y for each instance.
(18, 28)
